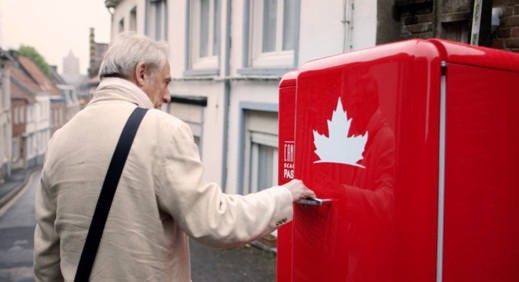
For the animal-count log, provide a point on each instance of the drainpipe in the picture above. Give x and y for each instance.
(476, 22)
(226, 94)
(347, 22)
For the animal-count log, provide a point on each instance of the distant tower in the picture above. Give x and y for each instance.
(71, 64)
(71, 68)
(97, 51)
(92, 43)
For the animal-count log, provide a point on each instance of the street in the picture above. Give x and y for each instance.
(16, 236)
(16, 246)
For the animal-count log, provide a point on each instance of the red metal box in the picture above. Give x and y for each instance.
(416, 144)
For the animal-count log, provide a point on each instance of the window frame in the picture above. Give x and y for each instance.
(16, 150)
(197, 64)
(121, 25)
(196, 120)
(255, 141)
(159, 29)
(132, 26)
(246, 168)
(278, 62)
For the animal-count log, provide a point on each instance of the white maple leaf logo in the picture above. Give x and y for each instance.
(338, 147)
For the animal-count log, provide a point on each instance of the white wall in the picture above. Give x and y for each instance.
(176, 37)
(213, 122)
(321, 30)
(256, 93)
(40, 129)
(321, 33)
(237, 29)
(5, 121)
(365, 24)
(123, 11)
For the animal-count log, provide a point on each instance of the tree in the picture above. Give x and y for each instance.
(31, 53)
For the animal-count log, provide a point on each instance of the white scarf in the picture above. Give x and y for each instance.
(116, 88)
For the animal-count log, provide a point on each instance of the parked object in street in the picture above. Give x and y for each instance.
(414, 144)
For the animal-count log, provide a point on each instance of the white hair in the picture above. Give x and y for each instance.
(129, 49)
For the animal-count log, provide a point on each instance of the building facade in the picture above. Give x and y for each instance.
(71, 100)
(5, 119)
(455, 20)
(38, 122)
(30, 104)
(227, 58)
(57, 113)
(23, 91)
(97, 51)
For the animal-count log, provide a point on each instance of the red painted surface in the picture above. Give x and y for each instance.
(482, 153)
(382, 222)
(286, 160)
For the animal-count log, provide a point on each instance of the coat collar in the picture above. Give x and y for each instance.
(113, 88)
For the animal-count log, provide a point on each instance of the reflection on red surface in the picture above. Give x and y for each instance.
(362, 209)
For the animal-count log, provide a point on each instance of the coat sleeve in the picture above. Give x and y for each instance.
(201, 209)
(46, 240)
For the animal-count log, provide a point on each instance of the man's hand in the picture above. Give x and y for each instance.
(299, 190)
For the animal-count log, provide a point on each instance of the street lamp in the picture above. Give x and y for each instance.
(111, 4)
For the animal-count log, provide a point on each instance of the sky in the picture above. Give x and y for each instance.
(54, 27)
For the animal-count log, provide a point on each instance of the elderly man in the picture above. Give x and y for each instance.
(161, 198)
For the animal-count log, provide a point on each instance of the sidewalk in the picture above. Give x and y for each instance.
(14, 184)
(247, 264)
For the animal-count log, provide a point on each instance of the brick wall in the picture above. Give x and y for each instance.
(416, 20)
(507, 34)
(451, 20)
(447, 19)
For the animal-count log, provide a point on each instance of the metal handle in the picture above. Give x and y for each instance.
(314, 201)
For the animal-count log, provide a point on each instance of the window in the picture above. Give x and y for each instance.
(15, 149)
(273, 31)
(133, 19)
(157, 19)
(16, 117)
(30, 114)
(456, 31)
(55, 121)
(121, 25)
(205, 23)
(264, 155)
(21, 114)
(260, 152)
(191, 111)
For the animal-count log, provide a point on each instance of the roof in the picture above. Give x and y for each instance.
(18, 92)
(56, 78)
(33, 70)
(22, 85)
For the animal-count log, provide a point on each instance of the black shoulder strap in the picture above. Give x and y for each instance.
(106, 196)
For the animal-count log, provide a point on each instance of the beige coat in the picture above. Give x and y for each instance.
(161, 199)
